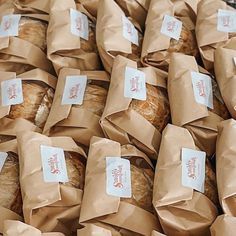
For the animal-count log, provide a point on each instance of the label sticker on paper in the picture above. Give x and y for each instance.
(74, 89)
(118, 177)
(129, 31)
(9, 25)
(202, 88)
(54, 164)
(79, 24)
(135, 84)
(226, 21)
(193, 169)
(171, 27)
(3, 157)
(11, 91)
(235, 61)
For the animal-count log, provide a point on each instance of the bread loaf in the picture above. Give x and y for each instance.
(36, 105)
(186, 44)
(156, 108)
(142, 178)
(33, 31)
(10, 193)
(75, 169)
(94, 99)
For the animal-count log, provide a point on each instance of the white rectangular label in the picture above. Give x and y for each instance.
(54, 164)
(11, 91)
(129, 31)
(235, 61)
(79, 24)
(118, 177)
(171, 27)
(3, 157)
(193, 169)
(135, 84)
(202, 88)
(10, 25)
(74, 89)
(226, 21)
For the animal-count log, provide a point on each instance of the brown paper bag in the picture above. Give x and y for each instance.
(226, 164)
(17, 228)
(128, 120)
(185, 111)
(10, 196)
(181, 210)
(80, 122)
(157, 46)
(136, 9)
(33, 6)
(93, 230)
(208, 37)
(225, 71)
(224, 225)
(38, 90)
(50, 206)
(133, 214)
(28, 50)
(109, 35)
(66, 49)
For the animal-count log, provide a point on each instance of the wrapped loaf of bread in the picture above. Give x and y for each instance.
(33, 31)
(156, 108)
(58, 207)
(130, 120)
(73, 22)
(116, 34)
(10, 193)
(36, 105)
(142, 177)
(157, 46)
(129, 214)
(175, 196)
(79, 121)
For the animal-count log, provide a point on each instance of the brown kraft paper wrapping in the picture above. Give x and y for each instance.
(154, 233)
(48, 206)
(225, 165)
(20, 55)
(224, 225)
(66, 49)
(11, 121)
(109, 35)
(116, 212)
(225, 71)
(90, 5)
(17, 228)
(121, 122)
(33, 6)
(181, 210)
(157, 46)
(93, 230)
(185, 111)
(7, 214)
(208, 37)
(136, 9)
(78, 121)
